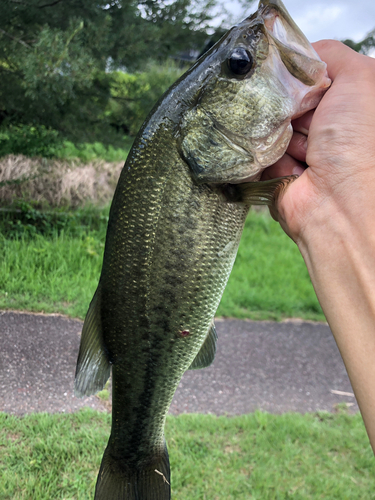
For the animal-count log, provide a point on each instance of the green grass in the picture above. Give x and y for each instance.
(269, 278)
(52, 264)
(59, 272)
(258, 456)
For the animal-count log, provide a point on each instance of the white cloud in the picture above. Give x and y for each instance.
(340, 19)
(320, 14)
(319, 19)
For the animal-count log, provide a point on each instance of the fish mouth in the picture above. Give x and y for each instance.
(260, 152)
(300, 71)
(269, 151)
(296, 53)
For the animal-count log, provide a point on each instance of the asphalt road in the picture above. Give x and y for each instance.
(276, 367)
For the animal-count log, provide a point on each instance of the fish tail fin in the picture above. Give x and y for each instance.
(119, 481)
(93, 367)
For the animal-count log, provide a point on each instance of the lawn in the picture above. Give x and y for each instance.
(258, 456)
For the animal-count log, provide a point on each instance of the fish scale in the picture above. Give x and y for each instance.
(174, 228)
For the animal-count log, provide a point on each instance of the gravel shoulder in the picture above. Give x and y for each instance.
(275, 367)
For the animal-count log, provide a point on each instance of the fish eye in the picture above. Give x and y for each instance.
(240, 61)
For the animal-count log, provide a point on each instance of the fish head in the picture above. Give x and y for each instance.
(262, 74)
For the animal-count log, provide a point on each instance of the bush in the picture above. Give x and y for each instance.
(97, 150)
(39, 141)
(29, 140)
(24, 220)
(134, 95)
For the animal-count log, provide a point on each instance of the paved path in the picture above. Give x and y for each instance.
(277, 367)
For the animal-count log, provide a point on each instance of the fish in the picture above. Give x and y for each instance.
(174, 228)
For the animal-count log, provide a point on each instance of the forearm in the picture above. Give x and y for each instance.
(339, 251)
(329, 211)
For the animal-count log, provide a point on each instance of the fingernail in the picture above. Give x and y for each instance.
(298, 171)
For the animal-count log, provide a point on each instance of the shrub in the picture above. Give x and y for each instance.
(134, 95)
(93, 151)
(29, 140)
(24, 220)
(39, 141)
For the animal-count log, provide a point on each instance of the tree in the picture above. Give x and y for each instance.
(55, 55)
(364, 46)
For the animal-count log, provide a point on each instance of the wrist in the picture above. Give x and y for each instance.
(338, 246)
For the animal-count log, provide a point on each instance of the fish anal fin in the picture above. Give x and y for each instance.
(207, 352)
(93, 367)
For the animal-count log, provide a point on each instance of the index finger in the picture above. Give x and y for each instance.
(302, 124)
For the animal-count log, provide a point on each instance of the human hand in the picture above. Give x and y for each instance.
(329, 211)
(337, 142)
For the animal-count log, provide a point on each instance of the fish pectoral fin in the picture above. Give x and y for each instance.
(265, 192)
(93, 367)
(207, 352)
(119, 480)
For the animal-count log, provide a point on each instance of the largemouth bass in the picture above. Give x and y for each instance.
(174, 228)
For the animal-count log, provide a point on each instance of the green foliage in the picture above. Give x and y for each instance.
(93, 151)
(29, 140)
(40, 141)
(365, 45)
(134, 95)
(258, 456)
(55, 56)
(25, 221)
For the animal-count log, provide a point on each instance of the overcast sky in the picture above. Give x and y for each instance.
(339, 19)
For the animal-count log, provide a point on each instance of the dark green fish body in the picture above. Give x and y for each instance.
(175, 225)
(182, 243)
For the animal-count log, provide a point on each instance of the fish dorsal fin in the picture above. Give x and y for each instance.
(93, 367)
(207, 352)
